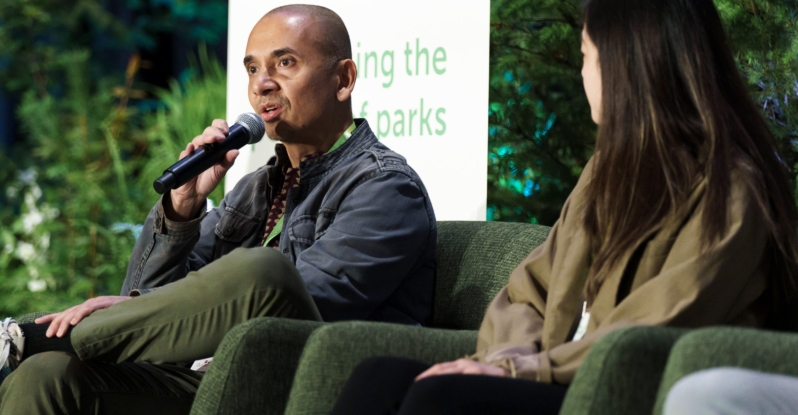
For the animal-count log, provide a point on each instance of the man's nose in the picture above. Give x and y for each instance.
(264, 84)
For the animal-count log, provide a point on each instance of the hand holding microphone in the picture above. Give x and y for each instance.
(203, 164)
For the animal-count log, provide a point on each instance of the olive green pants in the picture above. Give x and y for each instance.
(124, 352)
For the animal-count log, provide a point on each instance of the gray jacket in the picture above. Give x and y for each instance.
(359, 228)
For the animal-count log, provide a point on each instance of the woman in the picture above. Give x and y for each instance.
(683, 217)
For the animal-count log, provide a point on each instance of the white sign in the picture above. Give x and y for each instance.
(422, 85)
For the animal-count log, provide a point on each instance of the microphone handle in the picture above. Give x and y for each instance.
(200, 160)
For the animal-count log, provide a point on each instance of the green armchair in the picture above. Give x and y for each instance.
(280, 366)
(762, 350)
(254, 368)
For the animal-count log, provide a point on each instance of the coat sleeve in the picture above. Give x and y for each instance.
(698, 285)
(513, 324)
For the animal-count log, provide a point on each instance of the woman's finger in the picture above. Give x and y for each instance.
(440, 369)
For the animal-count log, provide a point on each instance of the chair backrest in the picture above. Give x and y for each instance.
(474, 262)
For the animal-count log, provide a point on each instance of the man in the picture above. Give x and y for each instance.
(335, 227)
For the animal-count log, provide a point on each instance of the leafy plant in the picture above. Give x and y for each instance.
(94, 158)
(540, 128)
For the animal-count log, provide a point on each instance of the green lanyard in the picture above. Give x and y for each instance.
(278, 227)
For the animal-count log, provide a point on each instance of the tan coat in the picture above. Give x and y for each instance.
(528, 325)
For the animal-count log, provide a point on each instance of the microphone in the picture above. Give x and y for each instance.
(248, 129)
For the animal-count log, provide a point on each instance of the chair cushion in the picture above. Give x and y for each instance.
(474, 262)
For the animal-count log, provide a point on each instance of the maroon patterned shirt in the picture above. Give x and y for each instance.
(291, 177)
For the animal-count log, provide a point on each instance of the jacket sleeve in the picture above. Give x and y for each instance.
(697, 286)
(166, 251)
(381, 230)
(513, 323)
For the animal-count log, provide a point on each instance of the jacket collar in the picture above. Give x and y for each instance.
(316, 167)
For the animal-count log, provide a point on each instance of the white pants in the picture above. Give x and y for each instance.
(731, 391)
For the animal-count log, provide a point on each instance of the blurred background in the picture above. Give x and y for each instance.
(98, 96)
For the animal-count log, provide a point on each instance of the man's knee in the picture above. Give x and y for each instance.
(47, 369)
(45, 381)
(262, 268)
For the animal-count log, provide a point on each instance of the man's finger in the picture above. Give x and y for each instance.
(64, 326)
(46, 319)
(211, 135)
(80, 315)
(221, 124)
(53, 329)
(189, 149)
(228, 160)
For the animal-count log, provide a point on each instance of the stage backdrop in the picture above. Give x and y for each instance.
(422, 85)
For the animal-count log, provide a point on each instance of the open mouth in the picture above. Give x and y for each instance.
(270, 111)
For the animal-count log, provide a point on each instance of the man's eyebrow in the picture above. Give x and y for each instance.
(283, 51)
(275, 54)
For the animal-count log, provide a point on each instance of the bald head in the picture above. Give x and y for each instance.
(328, 31)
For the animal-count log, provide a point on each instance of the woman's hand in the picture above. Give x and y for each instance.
(463, 367)
(60, 322)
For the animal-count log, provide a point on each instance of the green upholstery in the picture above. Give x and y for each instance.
(474, 262)
(28, 318)
(621, 372)
(762, 350)
(253, 367)
(333, 351)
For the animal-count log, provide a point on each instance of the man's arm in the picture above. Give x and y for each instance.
(167, 250)
(381, 230)
(178, 236)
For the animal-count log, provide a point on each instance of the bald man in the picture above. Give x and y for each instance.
(335, 227)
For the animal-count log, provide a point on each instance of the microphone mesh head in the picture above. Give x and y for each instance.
(254, 124)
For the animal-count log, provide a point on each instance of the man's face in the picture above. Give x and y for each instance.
(291, 84)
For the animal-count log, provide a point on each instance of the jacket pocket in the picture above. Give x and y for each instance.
(301, 232)
(324, 220)
(233, 227)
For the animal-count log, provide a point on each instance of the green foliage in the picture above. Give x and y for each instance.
(540, 128)
(35, 33)
(764, 34)
(70, 212)
(188, 108)
(94, 158)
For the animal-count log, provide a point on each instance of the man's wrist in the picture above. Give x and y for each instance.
(182, 210)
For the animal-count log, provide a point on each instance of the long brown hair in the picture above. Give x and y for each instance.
(675, 110)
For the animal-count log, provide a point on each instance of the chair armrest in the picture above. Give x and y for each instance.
(253, 367)
(621, 373)
(762, 350)
(333, 351)
(28, 318)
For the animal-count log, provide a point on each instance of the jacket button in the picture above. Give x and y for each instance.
(228, 231)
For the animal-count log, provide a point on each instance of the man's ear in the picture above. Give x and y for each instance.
(346, 72)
